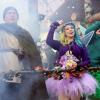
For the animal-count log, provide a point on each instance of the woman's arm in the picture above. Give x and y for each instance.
(50, 41)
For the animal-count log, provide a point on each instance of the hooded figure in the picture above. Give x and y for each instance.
(24, 39)
(18, 51)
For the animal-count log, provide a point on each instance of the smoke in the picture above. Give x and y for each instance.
(8, 61)
(32, 86)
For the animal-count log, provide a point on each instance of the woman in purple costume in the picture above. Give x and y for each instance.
(69, 87)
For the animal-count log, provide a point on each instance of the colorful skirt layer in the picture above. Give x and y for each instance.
(72, 86)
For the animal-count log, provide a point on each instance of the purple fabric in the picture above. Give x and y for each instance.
(65, 58)
(79, 52)
(72, 86)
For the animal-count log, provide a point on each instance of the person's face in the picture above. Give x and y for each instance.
(98, 32)
(11, 16)
(69, 31)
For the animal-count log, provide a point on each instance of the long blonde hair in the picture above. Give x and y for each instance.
(63, 38)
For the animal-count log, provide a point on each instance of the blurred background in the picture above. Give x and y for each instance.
(37, 15)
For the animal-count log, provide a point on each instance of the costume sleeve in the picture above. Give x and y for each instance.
(85, 61)
(93, 27)
(50, 41)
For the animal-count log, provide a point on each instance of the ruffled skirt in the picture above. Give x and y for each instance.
(72, 86)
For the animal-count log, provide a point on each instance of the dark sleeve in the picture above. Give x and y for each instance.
(50, 41)
(85, 61)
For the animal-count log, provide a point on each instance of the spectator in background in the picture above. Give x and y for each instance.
(48, 55)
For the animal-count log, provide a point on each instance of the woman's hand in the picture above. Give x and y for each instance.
(98, 32)
(40, 68)
(61, 22)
